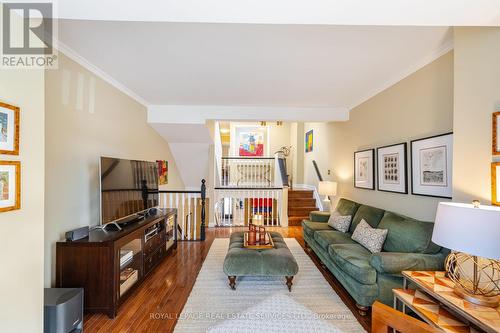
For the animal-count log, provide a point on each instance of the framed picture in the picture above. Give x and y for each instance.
(364, 169)
(495, 146)
(431, 166)
(309, 141)
(162, 172)
(251, 141)
(10, 185)
(9, 129)
(391, 168)
(495, 180)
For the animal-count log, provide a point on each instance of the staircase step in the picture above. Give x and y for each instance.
(296, 220)
(300, 211)
(301, 202)
(297, 194)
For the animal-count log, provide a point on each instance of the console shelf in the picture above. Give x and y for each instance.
(94, 263)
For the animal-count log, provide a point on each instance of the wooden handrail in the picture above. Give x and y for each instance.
(385, 319)
(320, 178)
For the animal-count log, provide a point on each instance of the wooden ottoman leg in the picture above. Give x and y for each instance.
(232, 282)
(289, 282)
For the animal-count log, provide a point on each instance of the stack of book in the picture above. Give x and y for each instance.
(126, 273)
(125, 256)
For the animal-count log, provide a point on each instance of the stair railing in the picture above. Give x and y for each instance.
(191, 211)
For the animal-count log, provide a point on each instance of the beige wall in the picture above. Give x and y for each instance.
(477, 96)
(322, 150)
(21, 282)
(86, 118)
(418, 106)
(297, 152)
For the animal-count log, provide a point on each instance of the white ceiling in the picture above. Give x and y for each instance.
(252, 64)
(340, 12)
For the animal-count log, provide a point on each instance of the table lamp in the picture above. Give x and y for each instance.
(327, 188)
(472, 232)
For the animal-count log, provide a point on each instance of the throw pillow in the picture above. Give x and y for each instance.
(339, 222)
(371, 238)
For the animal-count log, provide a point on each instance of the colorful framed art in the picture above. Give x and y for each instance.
(10, 185)
(251, 141)
(309, 141)
(392, 175)
(162, 172)
(431, 166)
(9, 129)
(364, 169)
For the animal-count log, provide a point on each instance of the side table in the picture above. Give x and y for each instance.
(435, 302)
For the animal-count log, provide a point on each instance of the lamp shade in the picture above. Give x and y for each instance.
(465, 228)
(327, 188)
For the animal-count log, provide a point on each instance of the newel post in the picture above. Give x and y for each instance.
(203, 196)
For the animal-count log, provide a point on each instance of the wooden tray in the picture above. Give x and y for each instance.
(269, 244)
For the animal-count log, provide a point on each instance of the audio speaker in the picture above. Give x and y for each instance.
(77, 234)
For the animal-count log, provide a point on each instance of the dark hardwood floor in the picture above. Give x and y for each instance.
(155, 305)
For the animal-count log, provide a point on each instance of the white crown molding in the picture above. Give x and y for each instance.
(73, 55)
(447, 47)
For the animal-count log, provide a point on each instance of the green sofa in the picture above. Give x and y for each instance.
(366, 276)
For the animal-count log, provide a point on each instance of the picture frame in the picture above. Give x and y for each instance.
(495, 181)
(9, 129)
(364, 169)
(431, 166)
(392, 174)
(162, 172)
(10, 185)
(309, 143)
(495, 130)
(251, 141)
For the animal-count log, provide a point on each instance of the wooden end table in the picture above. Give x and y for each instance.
(435, 302)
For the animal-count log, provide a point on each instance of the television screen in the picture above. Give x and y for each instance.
(128, 187)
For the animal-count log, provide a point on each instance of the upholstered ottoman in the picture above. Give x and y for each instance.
(277, 261)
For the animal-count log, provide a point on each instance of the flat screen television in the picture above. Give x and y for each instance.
(129, 188)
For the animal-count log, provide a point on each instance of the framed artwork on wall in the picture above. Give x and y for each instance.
(10, 185)
(495, 182)
(9, 129)
(431, 166)
(251, 142)
(392, 173)
(364, 169)
(309, 141)
(162, 172)
(495, 146)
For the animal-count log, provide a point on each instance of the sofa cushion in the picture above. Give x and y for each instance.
(407, 235)
(310, 227)
(370, 214)
(327, 237)
(371, 238)
(347, 207)
(340, 222)
(354, 260)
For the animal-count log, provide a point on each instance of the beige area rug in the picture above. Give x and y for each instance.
(212, 301)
